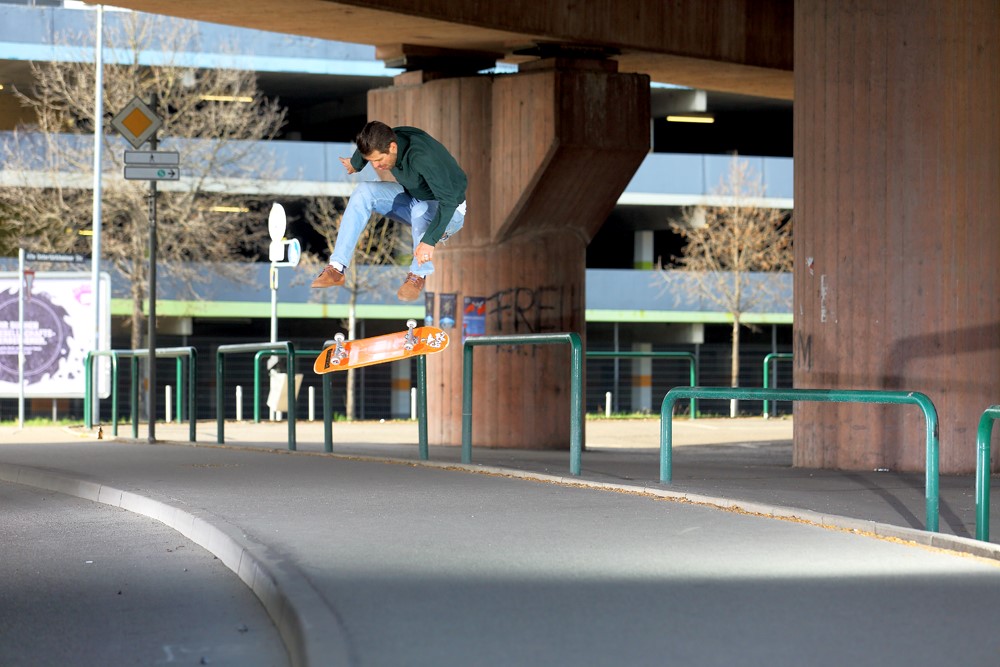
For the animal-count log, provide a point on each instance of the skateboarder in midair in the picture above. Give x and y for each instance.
(428, 194)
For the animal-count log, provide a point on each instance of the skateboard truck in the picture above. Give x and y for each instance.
(410, 340)
(337, 354)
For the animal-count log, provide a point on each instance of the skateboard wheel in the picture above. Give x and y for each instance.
(339, 337)
(410, 324)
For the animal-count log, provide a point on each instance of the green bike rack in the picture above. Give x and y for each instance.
(220, 374)
(422, 447)
(768, 360)
(983, 472)
(576, 387)
(256, 376)
(821, 395)
(637, 354)
(178, 353)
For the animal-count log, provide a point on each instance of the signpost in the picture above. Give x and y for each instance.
(138, 123)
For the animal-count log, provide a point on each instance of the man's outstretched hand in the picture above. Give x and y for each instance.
(424, 253)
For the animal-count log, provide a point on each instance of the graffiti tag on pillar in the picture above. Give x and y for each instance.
(803, 351)
(521, 310)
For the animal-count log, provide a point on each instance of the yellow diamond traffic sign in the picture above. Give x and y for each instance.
(136, 122)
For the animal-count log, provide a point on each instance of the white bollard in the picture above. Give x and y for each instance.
(239, 403)
(607, 404)
(312, 404)
(168, 399)
(413, 403)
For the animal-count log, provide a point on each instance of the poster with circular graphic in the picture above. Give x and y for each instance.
(58, 333)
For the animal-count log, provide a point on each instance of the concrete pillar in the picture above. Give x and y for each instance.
(642, 379)
(643, 257)
(897, 249)
(548, 151)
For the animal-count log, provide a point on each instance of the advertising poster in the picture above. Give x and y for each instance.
(446, 316)
(429, 309)
(58, 333)
(474, 317)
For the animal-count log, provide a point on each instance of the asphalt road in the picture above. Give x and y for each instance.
(84, 584)
(403, 564)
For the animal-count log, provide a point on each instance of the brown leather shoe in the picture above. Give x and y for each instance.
(330, 277)
(410, 290)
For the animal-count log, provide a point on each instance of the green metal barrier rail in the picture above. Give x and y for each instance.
(256, 376)
(773, 357)
(821, 395)
(178, 353)
(636, 354)
(576, 386)
(220, 374)
(983, 472)
(327, 398)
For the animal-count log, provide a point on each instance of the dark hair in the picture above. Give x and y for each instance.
(375, 136)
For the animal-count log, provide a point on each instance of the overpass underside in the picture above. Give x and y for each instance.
(897, 161)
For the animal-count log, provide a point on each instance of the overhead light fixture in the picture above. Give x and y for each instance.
(228, 209)
(690, 119)
(242, 99)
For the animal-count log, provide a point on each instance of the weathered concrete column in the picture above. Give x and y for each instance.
(897, 243)
(548, 151)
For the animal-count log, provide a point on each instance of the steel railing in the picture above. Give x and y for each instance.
(179, 353)
(287, 348)
(991, 414)
(768, 360)
(576, 386)
(822, 395)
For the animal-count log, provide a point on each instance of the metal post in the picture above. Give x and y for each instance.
(135, 397)
(291, 365)
(422, 406)
(95, 258)
(20, 338)
(192, 391)
(467, 403)
(983, 472)
(327, 413)
(151, 324)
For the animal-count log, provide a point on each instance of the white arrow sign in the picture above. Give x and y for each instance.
(136, 173)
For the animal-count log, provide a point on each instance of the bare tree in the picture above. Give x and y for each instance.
(381, 243)
(214, 117)
(727, 244)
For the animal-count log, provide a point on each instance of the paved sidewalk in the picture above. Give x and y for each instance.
(360, 562)
(746, 460)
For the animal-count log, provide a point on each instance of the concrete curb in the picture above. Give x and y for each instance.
(310, 629)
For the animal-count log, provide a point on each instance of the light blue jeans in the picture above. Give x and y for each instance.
(388, 198)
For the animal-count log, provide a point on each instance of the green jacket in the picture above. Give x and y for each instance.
(427, 171)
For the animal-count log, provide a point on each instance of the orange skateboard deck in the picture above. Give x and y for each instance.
(344, 355)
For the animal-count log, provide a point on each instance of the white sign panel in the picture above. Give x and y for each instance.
(58, 333)
(134, 173)
(151, 158)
